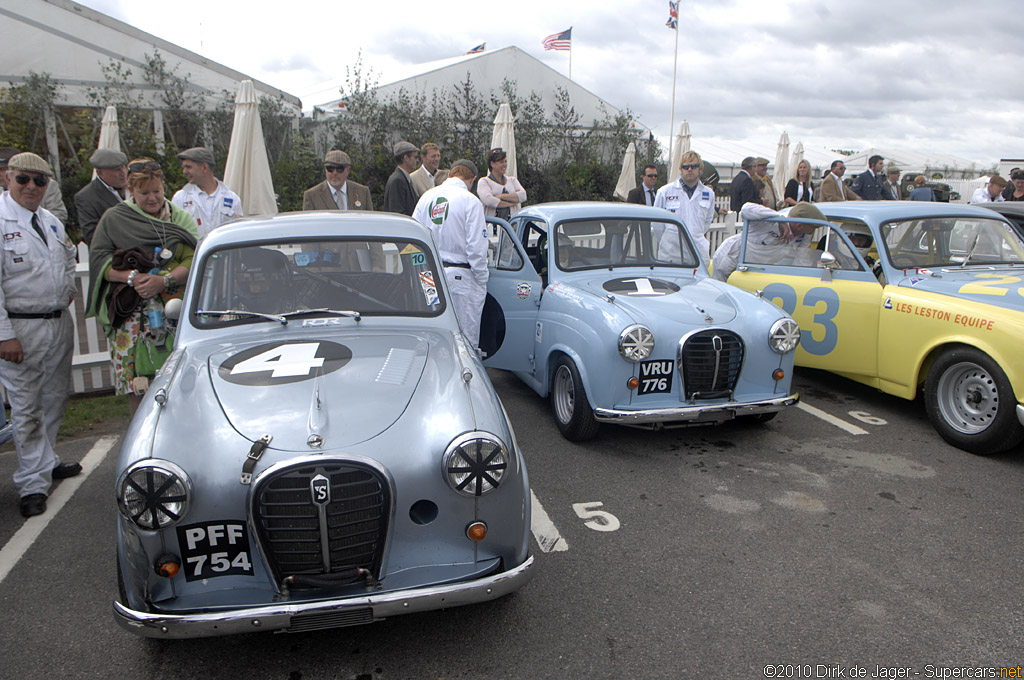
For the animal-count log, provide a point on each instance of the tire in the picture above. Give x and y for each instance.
(569, 403)
(971, 403)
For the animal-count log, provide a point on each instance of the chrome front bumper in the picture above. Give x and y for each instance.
(295, 617)
(695, 414)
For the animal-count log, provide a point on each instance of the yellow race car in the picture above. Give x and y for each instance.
(907, 296)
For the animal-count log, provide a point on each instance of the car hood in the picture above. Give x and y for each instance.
(984, 285)
(648, 294)
(346, 388)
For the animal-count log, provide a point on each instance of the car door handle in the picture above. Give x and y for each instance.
(747, 267)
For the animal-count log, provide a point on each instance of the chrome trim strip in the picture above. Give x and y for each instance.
(694, 413)
(1020, 413)
(278, 616)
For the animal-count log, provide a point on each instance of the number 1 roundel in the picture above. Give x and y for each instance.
(277, 363)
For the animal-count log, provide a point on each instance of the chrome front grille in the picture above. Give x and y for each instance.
(323, 518)
(709, 364)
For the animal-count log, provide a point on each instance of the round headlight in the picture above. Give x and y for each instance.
(636, 343)
(154, 494)
(784, 336)
(475, 463)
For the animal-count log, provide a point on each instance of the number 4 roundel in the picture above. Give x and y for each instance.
(277, 363)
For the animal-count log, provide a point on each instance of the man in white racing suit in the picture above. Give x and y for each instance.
(456, 218)
(37, 269)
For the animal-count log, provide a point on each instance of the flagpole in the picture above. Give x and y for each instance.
(570, 53)
(672, 123)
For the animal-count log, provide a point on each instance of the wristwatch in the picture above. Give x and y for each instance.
(131, 278)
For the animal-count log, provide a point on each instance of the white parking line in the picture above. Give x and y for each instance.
(829, 418)
(544, 529)
(19, 544)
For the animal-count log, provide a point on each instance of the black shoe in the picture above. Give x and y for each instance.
(65, 470)
(33, 504)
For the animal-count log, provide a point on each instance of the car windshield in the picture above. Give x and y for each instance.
(371, 278)
(593, 244)
(951, 242)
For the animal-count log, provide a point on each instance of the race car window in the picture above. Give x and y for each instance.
(951, 242)
(371, 277)
(504, 255)
(609, 243)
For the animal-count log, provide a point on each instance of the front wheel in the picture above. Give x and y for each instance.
(971, 403)
(573, 415)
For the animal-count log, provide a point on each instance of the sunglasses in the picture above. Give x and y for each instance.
(689, 166)
(38, 180)
(143, 166)
(335, 168)
(654, 176)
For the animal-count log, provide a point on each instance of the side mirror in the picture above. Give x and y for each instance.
(172, 310)
(828, 261)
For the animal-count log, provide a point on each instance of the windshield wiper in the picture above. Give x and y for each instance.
(244, 312)
(324, 310)
(974, 246)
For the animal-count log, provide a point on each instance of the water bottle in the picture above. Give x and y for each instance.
(153, 310)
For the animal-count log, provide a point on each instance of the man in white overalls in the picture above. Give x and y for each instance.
(37, 270)
(690, 201)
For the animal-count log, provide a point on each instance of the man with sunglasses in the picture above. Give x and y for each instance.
(210, 202)
(337, 192)
(692, 202)
(53, 199)
(37, 270)
(644, 194)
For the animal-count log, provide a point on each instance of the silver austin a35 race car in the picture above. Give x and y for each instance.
(322, 448)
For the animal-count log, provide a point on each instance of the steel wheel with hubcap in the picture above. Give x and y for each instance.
(971, 403)
(573, 415)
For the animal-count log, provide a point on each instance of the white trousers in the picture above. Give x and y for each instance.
(468, 299)
(37, 390)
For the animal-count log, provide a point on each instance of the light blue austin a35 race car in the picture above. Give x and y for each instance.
(607, 308)
(322, 448)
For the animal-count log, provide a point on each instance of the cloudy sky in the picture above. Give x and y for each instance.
(940, 76)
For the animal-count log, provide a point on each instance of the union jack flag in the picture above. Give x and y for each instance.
(673, 14)
(558, 41)
(478, 49)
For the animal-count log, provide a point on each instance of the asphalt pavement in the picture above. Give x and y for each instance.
(845, 538)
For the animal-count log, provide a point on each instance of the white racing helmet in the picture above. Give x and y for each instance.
(861, 237)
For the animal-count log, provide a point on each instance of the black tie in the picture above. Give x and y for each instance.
(650, 197)
(39, 230)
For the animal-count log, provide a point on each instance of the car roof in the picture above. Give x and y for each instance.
(1015, 208)
(319, 224)
(557, 212)
(884, 211)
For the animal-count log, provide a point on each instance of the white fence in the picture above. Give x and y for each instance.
(90, 365)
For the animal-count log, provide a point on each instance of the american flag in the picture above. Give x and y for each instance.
(478, 49)
(673, 14)
(558, 41)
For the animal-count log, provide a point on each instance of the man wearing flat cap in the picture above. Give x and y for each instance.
(105, 191)
(337, 192)
(53, 199)
(205, 197)
(37, 274)
(891, 185)
(399, 194)
(764, 184)
(456, 218)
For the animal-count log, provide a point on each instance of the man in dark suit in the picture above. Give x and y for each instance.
(399, 194)
(868, 184)
(742, 189)
(644, 194)
(891, 186)
(337, 192)
(105, 191)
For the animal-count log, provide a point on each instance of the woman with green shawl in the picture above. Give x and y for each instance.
(148, 230)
